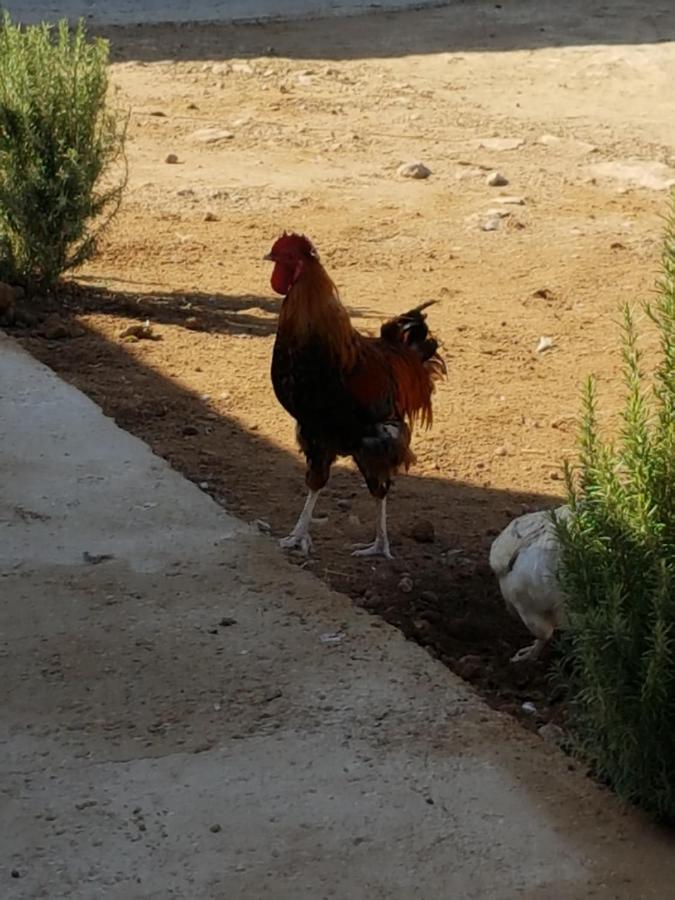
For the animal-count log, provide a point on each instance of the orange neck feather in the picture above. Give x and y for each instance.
(312, 309)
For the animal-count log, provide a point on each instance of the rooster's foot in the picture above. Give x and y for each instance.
(301, 541)
(377, 548)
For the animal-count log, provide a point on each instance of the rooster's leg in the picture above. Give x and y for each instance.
(299, 538)
(380, 546)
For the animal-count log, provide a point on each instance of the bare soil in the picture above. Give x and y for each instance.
(314, 120)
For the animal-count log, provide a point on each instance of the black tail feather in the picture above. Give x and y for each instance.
(411, 328)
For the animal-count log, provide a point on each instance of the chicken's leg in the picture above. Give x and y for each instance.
(380, 546)
(299, 538)
(531, 652)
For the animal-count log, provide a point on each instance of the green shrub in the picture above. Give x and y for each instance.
(59, 143)
(618, 569)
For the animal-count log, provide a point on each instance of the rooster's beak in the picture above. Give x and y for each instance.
(268, 257)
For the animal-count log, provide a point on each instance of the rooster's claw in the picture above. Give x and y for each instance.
(377, 548)
(301, 542)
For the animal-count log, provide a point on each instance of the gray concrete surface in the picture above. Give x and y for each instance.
(151, 750)
(129, 12)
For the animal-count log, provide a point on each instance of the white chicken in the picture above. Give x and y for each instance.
(525, 558)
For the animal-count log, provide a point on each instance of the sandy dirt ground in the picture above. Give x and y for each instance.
(303, 126)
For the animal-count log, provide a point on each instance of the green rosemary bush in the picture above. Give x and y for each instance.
(62, 168)
(618, 569)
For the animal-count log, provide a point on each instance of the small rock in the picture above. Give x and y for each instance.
(227, 622)
(263, 526)
(543, 294)
(15, 873)
(545, 343)
(243, 68)
(212, 135)
(650, 174)
(501, 451)
(423, 532)
(549, 140)
(510, 201)
(491, 224)
(406, 584)
(344, 505)
(210, 217)
(496, 179)
(54, 328)
(192, 106)
(171, 159)
(158, 113)
(413, 170)
(214, 829)
(529, 708)
(190, 431)
(142, 331)
(552, 733)
(501, 144)
(469, 667)
(429, 597)
(332, 637)
(193, 323)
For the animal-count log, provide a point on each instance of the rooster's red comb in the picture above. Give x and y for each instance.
(295, 245)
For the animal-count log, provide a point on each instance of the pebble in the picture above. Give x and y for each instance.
(210, 217)
(469, 666)
(529, 708)
(551, 732)
(344, 505)
(406, 584)
(549, 140)
(54, 328)
(651, 174)
(212, 135)
(423, 532)
(510, 201)
(214, 829)
(227, 622)
(414, 170)
(491, 224)
(496, 179)
(501, 451)
(500, 144)
(190, 430)
(171, 159)
(140, 331)
(545, 343)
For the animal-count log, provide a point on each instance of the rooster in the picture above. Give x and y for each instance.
(350, 395)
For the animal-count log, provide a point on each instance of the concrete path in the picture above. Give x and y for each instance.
(129, 12)
(185, 715)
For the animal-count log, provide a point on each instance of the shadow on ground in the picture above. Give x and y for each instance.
(456, 27)
(454, 608)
